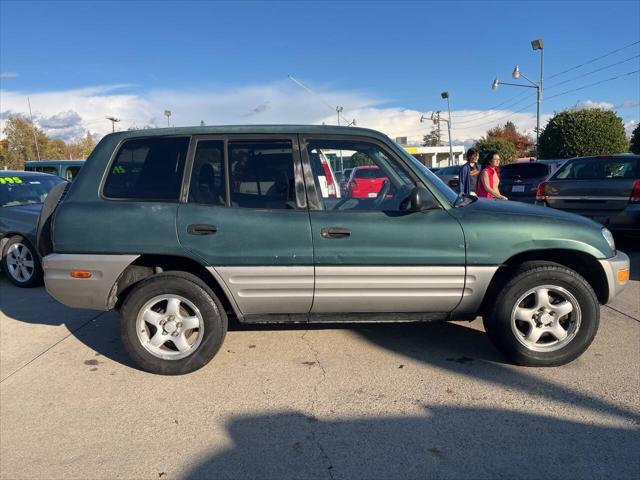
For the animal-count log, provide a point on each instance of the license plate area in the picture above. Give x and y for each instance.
(517, 188)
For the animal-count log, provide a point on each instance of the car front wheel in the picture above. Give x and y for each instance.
(546, 315)
(172, 324)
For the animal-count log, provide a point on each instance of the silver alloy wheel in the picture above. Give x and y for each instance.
(20, 262)
(546, 318)
(170, 327)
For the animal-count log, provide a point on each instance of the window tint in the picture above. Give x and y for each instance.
(378, 181)
(262, 175)
(524, 170)
(207, 184)
(148, 169)
(600, 168)
(49, 170)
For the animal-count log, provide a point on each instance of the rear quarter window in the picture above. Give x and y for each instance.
(599, 168)
(525, 170)
(148, 169)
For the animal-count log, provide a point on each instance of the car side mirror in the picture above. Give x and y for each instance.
(421, 199)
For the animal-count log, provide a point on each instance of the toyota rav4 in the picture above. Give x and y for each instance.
(178, 229)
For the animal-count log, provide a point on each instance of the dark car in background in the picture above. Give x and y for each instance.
(450, 176)
(604, 188)
(67, 169)
(519, 181)
(21, 197)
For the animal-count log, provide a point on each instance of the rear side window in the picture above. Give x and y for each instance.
(49, 170)
(595, 168)
(148, 169)
(373, 172)
(207, 184)
(262, 175)
(524, 170)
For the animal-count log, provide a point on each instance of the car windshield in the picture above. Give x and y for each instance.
(524, 170)
(450, 195)
(16, 189)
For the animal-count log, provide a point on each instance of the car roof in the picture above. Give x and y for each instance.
(526, 163)
(46, 163)
(250, 129)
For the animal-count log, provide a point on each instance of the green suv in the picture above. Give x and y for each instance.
(180, 228)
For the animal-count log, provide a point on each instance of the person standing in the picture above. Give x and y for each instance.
(489, 183)
(469, 173)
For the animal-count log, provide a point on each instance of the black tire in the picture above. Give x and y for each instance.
(498, 326)
(36, 276)
(194, 290)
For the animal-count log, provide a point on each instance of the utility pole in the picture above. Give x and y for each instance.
(113, 121)
(33, 129)
(446, 95)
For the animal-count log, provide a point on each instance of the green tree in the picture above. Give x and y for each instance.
(583, 132)
(635, 140)
(360, 159)
(431, 139)
(507, 150)
(54, 149)
(21, 146)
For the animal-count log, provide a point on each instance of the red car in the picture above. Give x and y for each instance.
(366, 182)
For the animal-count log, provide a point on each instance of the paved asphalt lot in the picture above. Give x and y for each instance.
(334, 402)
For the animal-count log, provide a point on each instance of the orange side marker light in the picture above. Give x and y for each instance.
(80, 274)
(623, 275)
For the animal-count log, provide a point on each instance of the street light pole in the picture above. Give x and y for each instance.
(537, 44)
(446, 95)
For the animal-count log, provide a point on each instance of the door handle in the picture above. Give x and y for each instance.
(201, 229)
(335, 232)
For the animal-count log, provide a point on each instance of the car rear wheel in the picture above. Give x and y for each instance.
(546, 315)
(172, 324)
(20, 263)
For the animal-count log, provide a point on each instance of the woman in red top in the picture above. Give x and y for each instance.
(489, 182)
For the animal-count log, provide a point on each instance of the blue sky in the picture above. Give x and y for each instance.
(375, 58)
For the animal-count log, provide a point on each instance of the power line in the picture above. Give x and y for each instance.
(593, 84)
(490, 108)
(592, 60)
(491, 114)
(592, 71)
(510, 114)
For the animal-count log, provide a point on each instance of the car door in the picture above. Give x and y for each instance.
(244, 214)
(371, 254)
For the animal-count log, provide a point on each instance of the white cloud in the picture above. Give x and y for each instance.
(69, 113)
(607, 105)
(588, 104)
(8, 74)
(630, 126)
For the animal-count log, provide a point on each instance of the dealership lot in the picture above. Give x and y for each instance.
(356, 401)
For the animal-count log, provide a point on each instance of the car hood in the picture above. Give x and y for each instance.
(507, 210)
(496, 230)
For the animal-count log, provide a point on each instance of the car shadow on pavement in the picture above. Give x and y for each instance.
(97, 330)
(445, 442)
